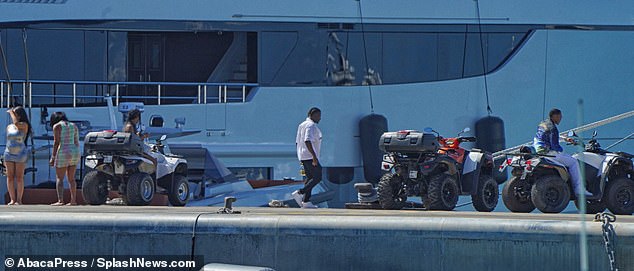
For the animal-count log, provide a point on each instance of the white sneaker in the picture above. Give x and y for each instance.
(308, 205)
(297, 197)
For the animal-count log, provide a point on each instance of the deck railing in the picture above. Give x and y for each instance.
(154, 92)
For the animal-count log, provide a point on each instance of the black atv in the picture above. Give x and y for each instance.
(437, 169)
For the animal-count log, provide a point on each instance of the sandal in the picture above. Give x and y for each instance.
(57, 204)
(71, 204)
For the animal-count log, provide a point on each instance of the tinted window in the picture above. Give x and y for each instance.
(339, 56)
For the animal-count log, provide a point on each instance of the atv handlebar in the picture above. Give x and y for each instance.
(454, 142)
(523, 154)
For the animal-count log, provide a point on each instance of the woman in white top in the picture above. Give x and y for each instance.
(15, 154)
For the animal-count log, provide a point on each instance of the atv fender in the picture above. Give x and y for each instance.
(181, 169)
(471, 172)
(439, 165)
(611, 165)
(558, 167)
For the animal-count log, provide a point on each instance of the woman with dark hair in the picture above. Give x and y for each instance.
(65, 155)
(133, 125)
(15, 154)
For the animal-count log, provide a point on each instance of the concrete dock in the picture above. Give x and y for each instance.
(317, 239)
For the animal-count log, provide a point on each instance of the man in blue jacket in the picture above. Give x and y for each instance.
(546, 141)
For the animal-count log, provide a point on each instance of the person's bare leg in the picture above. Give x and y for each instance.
(70, 174)
(10, 181)
(19, 179)
(59, 185)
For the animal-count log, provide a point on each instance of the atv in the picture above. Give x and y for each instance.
(408, 151)
(437, 174)
(539, 181)
(536, 181)
(118, 164)
(609, 177)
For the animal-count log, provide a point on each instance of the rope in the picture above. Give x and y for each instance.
(619, 142)
(545, 78)
(29, 104)
(194, 227)
(484, 62)
(365, 55)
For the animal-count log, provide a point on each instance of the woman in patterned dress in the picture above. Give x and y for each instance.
(65, 155)
(15, 154)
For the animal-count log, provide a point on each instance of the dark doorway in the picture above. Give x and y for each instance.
(172, 57)
(146, 63)
(252, 57)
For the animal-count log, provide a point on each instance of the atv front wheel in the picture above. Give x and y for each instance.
(620, 196)
(179, 191)
(550, 194)
(391, 192)
(486, 197)
(516, 196)
(442, 193)
(139, 189)
(94, 188)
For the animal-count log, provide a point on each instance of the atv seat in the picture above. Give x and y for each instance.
(527, 150)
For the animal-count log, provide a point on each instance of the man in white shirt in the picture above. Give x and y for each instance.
(308, 142)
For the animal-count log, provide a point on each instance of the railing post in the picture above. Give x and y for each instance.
(30, 95)
(8, 95)
(1, 94)
(244, 93)
(75, 94)
(219, 94)
(225, 94)
(24, 93)
(117, 93)
(205, 89)
(159, 94)
(198, 94)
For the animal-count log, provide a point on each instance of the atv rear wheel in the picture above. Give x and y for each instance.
(442, 193)
(139, 189)
(620, 196)
(592, 206)
(179, 191)
(486, 197)
(94, 188)
(516, 196)
(391, 191)
(550, 194)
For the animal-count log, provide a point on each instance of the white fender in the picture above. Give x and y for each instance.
(606, 163)
(593, 159)
(472, 162)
